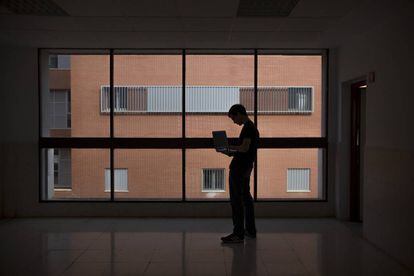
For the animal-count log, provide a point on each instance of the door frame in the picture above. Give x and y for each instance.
(355, 185)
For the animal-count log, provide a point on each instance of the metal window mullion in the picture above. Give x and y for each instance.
(183, 134)
(325, 108)
(255, 121)
(111, 120)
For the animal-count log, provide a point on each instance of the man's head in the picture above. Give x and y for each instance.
(238, 114)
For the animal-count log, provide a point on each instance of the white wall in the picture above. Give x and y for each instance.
(378, 36)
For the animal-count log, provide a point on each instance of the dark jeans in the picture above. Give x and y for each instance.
(241, 200)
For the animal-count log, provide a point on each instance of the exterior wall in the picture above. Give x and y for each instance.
(88, 74)
(272, 172)
(152, 174)
(292, 71)
(59, 79)
(156, 174)
(88, 174)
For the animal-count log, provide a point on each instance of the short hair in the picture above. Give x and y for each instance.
(237, 108)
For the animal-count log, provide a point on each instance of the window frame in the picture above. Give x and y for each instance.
(184, 142)
(56, 171)
(68, 105)
(58, 63)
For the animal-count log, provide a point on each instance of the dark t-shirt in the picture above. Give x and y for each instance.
(246, 159)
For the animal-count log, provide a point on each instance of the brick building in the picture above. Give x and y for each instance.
(147, 103)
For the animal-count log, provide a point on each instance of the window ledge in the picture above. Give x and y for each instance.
(298, 191)
(62, 189)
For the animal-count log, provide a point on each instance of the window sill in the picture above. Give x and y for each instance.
(299, 191)
(62, 189)
(213, 191)
(124, 191)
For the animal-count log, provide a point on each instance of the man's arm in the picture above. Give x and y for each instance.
(244, 147)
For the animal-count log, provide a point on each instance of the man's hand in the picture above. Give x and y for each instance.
(244, 147)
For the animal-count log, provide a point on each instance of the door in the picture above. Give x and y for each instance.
(357, 138)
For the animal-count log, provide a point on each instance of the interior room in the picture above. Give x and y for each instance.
(108, 165)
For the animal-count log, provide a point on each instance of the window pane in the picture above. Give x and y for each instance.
(213, 84)
(71, 92)
(290, 173)
(75, 174)
(298, 180)
(152, 174)
(147, 96)
(121, 180)
(290, 96)
(53, 61)
(200, 161)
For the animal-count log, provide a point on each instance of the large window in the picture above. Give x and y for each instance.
(136, 125)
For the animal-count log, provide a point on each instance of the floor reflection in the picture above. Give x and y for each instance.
(186, 247)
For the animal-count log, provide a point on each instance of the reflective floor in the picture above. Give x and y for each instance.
(186, 247)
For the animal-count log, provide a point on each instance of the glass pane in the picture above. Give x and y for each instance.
(152, 174)
(290, 173)
(201, 183)
(290, 96)
(213, 84)
(75, 174)
(147, 95)
(75, 82)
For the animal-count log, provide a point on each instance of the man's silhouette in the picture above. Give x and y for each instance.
(239, 178)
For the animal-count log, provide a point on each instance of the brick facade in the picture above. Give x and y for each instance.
(156, 174)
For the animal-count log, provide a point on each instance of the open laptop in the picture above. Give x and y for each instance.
(221, 143)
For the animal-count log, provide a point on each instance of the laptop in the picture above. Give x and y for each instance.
(221, 143)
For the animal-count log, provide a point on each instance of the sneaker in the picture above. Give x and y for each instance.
(250, 235)
(232, 238)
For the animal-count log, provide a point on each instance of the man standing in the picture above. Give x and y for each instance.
(244, 155)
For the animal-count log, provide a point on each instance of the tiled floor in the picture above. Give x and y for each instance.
(186, 247)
